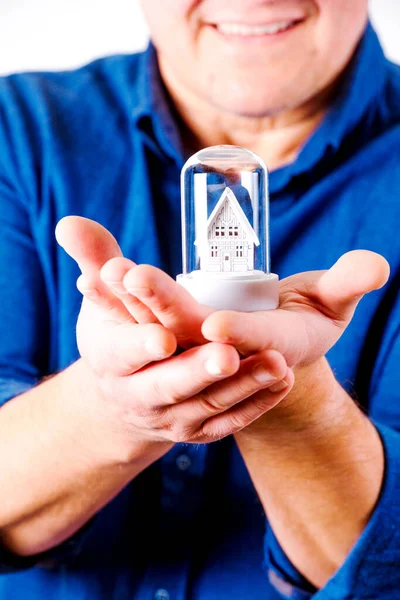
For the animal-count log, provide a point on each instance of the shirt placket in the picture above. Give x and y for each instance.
(182, 487)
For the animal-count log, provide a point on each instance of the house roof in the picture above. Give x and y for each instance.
(237, 209)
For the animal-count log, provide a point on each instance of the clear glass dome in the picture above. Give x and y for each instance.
(225, 213)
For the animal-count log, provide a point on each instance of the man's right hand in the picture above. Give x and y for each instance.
(149, 393)
(123, 405)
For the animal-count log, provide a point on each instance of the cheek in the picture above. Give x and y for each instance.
(341, 24)
(171, 23)
(158, 12)
(341, 18)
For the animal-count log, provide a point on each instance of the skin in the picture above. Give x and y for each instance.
(264, 93)
(307, 445)
(261, 377)
(107, 417)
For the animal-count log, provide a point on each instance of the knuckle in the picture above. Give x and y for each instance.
(213, 431)
(162, 393)
(209, 403)
(165, 393)
(157, 389)
(245, 386)
(155, 419)
(261, 402)
(161, 303)
(236, 422)
(181, 434)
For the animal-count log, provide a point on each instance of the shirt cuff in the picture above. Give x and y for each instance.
(10, 388)
(55, 557)
(282, 574)
(371, 570)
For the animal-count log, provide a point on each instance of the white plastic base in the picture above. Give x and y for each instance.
(243, 292)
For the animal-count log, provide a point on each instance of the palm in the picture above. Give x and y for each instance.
(315, 308)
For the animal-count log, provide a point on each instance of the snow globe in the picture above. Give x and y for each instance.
(225, 230)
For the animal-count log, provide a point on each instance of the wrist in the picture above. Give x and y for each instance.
(317, 403)
(318, 461)
(318, 423)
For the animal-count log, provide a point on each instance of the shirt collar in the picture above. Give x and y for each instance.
(153, 113)
(360, 88)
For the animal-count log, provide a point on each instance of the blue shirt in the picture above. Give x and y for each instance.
(102, 142)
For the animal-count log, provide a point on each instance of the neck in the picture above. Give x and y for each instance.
(277, 138)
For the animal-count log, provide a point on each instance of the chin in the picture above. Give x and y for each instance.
(253, 94)
(252, 105)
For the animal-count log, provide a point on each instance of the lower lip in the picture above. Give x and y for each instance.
(266, 37)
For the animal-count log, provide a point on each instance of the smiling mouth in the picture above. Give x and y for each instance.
(242, 30)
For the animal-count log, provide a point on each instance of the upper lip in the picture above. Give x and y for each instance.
(261, 23)
(270, 24)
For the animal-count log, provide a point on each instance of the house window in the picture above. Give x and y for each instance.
(239, 251)
(236, 231)
(220, 231)
(230, 232)
(214, 251)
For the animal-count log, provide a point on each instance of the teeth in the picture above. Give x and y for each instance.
(248, 30)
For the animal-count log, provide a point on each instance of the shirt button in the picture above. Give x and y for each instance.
(161, 594)
(183, 462)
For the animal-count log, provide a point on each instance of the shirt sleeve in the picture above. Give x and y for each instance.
(282, 574)
(25, 320)
(62, 554)
(24, 327)
(371, 570)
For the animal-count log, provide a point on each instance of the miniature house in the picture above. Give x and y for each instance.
(230, 241)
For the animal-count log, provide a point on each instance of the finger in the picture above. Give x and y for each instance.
(91, 245)
(173, 306)
(103, 298)
(355, 274)
(315, 309)
(280, 330)
(87, 242)
(244, 413)
(183, 376)
(112, 274)
(130, 347)
(258, 372)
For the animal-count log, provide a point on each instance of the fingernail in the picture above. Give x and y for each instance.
(213, 368)
(278, 387)
(262, 375)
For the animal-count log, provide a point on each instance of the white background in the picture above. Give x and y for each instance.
(58, 34)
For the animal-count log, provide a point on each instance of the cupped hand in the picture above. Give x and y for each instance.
(315, 309)
(201, 395)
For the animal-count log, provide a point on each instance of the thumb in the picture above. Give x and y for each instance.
(91, 246)
(355, 273)
(87, 242)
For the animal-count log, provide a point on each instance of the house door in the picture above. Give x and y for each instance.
(226, 265)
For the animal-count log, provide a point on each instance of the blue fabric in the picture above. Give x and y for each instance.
(102, 142)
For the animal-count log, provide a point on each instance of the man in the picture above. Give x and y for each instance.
(110, 488)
